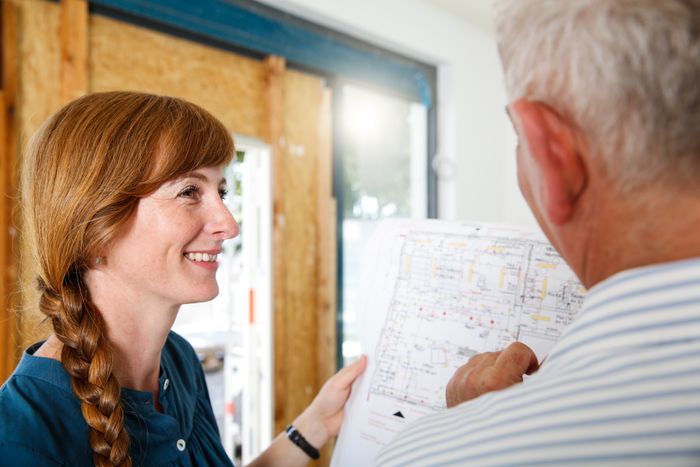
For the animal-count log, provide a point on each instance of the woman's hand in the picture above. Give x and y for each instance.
(321, 420)
(318, 423)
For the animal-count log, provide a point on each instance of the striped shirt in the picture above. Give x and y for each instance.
(621, 387)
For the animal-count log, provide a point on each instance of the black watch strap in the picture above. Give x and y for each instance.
(296, 438)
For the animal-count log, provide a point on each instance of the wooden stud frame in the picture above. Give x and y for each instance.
(8, 169)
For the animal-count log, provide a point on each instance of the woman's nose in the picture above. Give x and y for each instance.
(224, 225)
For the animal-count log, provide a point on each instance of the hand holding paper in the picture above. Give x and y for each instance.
(322, 418)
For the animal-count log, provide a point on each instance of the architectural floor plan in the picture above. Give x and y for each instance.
(438, 293)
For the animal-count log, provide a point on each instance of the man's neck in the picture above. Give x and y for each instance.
(651, 227)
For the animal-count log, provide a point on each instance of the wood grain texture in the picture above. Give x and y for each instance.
(8, 332)
(299, 173)
(127, 57)
(39, 65)
(298, 129)
(74, 45)
(272, 134)
(9, 335)
(325, 255)
(38, 96)
(8, 355)
(301, 151)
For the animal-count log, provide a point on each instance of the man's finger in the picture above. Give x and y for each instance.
(483, 359)
(518, 359)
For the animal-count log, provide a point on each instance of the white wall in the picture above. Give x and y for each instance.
(474, 136)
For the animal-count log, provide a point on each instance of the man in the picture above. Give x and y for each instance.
(605, 99)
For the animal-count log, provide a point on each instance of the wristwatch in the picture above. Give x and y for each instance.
(297, 438)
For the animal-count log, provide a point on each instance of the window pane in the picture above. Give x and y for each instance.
(384, 155)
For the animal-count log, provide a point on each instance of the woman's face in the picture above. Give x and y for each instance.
(167, 253)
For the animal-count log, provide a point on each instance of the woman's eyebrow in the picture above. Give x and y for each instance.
(201, 177)
(196, 175)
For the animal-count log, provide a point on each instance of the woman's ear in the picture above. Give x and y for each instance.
(556, 172)
(98, 259)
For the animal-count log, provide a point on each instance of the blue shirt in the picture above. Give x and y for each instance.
(621, 387)
(41, 422)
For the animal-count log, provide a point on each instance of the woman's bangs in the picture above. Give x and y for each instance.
(195, 140)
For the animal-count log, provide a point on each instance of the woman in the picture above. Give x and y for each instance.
(122, 197)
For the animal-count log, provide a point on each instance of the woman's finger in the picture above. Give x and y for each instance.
(348, 374)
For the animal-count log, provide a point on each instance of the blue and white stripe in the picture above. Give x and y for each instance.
(621, 387)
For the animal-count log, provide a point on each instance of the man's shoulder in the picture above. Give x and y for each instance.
(573, 411)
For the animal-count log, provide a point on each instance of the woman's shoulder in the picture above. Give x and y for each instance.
(41, 416)
(37, 384)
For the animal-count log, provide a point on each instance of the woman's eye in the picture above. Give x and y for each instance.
(191, 191)
(223, 192)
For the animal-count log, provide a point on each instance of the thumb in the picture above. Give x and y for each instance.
(347, 375)
(518, 359)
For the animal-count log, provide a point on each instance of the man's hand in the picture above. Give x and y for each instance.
(491, 371)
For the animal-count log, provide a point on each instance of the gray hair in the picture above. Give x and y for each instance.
(625, 72)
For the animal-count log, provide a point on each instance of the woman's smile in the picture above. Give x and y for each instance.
(204, 259)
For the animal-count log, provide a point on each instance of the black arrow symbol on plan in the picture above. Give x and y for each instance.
(399, 414)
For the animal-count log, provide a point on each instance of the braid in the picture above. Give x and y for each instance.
(87, 358)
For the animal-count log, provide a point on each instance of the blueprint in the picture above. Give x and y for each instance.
(436, 294)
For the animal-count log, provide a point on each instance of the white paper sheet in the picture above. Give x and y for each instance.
(437, 293)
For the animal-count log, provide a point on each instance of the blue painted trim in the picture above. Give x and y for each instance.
(249, 27)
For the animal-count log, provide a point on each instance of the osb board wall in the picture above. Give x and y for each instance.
(39, 64)
(300, 148)
(231, 87)
(38, 96)
(122, 56)
(8, 142)
(299, 372)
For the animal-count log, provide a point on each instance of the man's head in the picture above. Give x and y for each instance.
(605, 98)
(624, 72)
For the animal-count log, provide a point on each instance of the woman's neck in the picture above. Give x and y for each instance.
(136, 350)
(136, 329)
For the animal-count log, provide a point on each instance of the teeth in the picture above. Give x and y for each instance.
(201, 257)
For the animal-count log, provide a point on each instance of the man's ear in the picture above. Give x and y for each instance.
(553, 149)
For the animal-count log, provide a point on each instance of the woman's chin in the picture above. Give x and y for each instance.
(203, 296)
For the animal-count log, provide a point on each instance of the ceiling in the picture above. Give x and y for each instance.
(477, 12)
